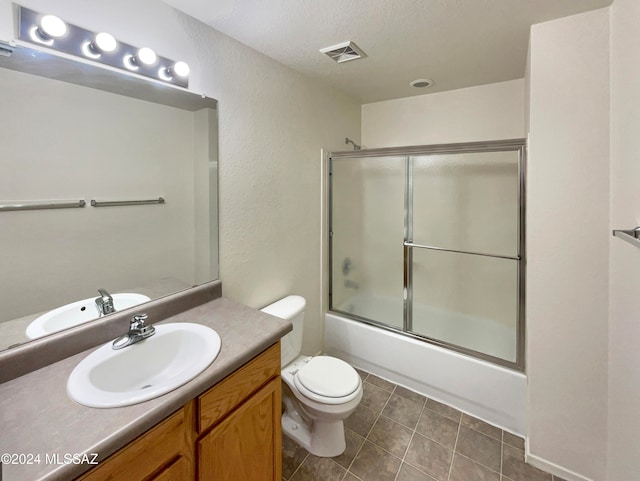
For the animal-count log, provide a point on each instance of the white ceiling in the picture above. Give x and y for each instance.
(457, 43)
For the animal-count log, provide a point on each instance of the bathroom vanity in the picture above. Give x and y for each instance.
(230, 432)
(225, 424)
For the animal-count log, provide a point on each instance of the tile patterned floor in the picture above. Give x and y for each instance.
(399, 435)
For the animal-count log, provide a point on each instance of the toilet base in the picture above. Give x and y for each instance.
(322, 439)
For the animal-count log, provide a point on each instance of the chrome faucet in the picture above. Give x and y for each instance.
(137, 332)
(104, 303)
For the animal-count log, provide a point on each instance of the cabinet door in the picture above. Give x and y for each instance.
(166, 447)
(247, 445)
(232, 391)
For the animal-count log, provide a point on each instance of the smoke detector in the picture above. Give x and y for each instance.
(343, 52)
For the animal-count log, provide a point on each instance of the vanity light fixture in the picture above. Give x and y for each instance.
(53, 33)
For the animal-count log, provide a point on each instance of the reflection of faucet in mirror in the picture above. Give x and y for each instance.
(104, 303)
(137, 332)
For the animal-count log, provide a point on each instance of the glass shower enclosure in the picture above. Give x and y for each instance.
(428, 241)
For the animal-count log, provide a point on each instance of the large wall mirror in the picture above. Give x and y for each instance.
(71, 132)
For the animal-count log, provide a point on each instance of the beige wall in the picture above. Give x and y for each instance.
(568, 241)
(624, 325)
(487, 112)
(272, 124)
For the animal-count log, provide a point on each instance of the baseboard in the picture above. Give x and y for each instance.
(553, 468)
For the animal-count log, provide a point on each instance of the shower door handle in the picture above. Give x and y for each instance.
(485, 254)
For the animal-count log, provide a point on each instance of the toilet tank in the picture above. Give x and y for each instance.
(290, 308)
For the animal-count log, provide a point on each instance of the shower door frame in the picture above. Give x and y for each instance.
(514, 145)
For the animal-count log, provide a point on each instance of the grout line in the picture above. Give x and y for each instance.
(413, 434)
(354, 458)
(455, 445)
(366, 438)
(380, 414)
(346, 472)
(298, 467)
(356, 455)
(501, 453)
(478, 463)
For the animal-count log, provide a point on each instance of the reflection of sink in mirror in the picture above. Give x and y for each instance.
(174, 355)
(78, 313)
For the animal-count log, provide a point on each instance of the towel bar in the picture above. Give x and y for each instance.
(42, 205)
(114, 203)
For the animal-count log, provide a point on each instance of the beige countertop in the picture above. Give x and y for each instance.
(38, 418)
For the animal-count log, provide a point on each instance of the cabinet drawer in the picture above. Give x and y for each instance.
(151, 451)
(234, 389)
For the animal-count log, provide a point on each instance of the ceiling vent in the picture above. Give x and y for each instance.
(344, 52)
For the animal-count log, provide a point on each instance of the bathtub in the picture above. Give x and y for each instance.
(487, 391)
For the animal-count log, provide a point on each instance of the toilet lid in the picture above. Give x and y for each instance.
(328, 377)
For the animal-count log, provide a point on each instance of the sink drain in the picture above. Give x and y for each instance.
(145, 387)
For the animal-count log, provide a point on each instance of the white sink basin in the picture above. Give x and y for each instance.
(78, 313)
(173, 356)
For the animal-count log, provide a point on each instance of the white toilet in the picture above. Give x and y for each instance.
(318, 392)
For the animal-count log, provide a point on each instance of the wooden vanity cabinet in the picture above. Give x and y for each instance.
(165, 448)
(232, 432)
(240, 424)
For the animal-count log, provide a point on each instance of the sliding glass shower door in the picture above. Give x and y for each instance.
(465, 250)
(367, 229)
(429, 241)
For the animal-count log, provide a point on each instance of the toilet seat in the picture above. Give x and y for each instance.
(327, 380)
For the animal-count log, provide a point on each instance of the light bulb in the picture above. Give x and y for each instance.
(105, 42)
(181, 69)
(52, 26)
(49, 27)
(147, 56)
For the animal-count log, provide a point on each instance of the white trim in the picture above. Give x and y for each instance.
(553, 468)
